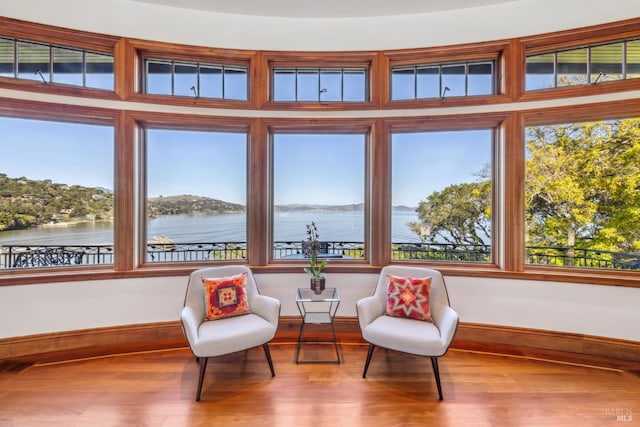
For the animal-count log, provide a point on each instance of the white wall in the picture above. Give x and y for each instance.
(173, 24)
(608, 311)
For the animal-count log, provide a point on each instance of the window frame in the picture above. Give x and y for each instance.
(500, 53)
(363, 127)
(144, 121)
(258, 117)
(321, 60)
(64, 38)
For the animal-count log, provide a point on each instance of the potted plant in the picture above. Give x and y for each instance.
(311, 249)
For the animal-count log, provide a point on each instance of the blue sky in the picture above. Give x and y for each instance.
(322, 169)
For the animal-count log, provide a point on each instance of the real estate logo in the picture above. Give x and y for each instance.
(619, 414)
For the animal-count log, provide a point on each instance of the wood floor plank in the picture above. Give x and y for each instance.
(158, 389)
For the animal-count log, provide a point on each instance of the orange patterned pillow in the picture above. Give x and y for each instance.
(408, 297)
(225, 297)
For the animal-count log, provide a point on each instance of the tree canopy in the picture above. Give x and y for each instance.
(582, 189)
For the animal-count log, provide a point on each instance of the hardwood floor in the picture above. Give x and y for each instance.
(158, 389)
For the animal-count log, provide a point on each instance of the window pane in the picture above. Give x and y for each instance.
(185, 81)
(196, 195)
(540, 72)
(159, 78)
(56, 206)
(441, 195)
(321, 179)
(355, 85)
(33, 61)
(428, 83)
(67, 66)
(331, 85)
(633, 59)
(7, 52)
(453, 78)
(403, 83)
(572, 67)
(236, 84)
(606, 62)
(581, 192)
(480, 79)
(210, 82)
(284, 85)
(99, 71)
(308, 85)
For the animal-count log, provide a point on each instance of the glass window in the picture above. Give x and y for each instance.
(541, 71)
(210, 81)
(453, 81)
(236, 83)
(572, 67)
(441, 195)
(480, 79)
(33, 61)
(403, 84)
(581, 192)
(633, 59)
(159, 78)
(319, 85)
(7, 58)
(55, 64)
(196, 195)
(185, 80)
(99, 71)
(428, 82)
(441, 81)
(607, 62)
(56, 204)
(196, 80)
(319, 178)
(592, 64)
(67, 66)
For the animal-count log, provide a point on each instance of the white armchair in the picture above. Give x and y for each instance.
(418, 337)
(231, 334)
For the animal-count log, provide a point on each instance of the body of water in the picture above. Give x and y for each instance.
(288, 226)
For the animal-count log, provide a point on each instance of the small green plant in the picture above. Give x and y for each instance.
(311, 249)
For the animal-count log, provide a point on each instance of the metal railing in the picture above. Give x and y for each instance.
(34, 256)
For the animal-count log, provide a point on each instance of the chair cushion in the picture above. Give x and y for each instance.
(225, 296)
(406, 335)
(408, 297)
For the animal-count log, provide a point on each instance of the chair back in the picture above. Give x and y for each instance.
(194, 297)
(439, 298)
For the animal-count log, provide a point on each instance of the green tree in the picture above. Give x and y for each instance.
(459, 214)
(583, 184)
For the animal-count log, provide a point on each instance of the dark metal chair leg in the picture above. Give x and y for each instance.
(366, 365)
(267, 353)
(436, 372)
(203, 367)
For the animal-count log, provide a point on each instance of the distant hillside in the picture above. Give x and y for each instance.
(188, 204)
(299, 207)
(27, 203)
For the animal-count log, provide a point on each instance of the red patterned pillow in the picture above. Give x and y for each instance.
(225, 297)
(408, 297)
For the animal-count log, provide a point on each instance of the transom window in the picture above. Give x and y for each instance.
(20, 59)
(195, 79)
(584, 65)
(320, 84)
(442, 80)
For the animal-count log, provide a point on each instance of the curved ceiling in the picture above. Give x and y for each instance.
(325, 8)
